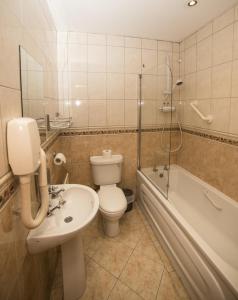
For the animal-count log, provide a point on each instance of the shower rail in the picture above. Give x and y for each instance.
(208, 118)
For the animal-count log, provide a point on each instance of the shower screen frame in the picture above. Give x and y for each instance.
(141, 130)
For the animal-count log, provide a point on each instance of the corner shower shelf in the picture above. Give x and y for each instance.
(208, 118)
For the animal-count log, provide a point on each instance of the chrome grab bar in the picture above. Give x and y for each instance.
(212, 201)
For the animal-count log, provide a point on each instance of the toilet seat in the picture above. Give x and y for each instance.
(112, 199)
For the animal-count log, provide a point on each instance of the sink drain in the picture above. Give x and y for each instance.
(68, 219)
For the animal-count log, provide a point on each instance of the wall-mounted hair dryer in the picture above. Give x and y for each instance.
(25, 158)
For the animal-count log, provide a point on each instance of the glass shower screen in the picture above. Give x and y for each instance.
(155, 119)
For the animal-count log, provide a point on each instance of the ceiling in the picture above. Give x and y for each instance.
(169, 20)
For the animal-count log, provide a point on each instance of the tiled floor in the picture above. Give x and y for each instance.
(131, 266)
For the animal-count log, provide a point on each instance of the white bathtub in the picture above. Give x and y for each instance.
(198, 226)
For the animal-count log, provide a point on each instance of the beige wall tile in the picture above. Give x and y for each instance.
(164, 46)
(190, 41)
(74, 37)
(62, 37)
(78, 88)
(132, 60)
(224, 20)
(10, 107)
(221, 112)
(204, 32)
(163, 58)
(149, 113)
(97, 86)
(149, 59)
(79, 113)
(233, 125)
(97, 113)
(149, 87)
(132, 42)
(97, 58)
(190, 60)
(77, 57)
(115, 40)
(10, 36)
(131, 107)
(131, 86)
(62, 56)
(221, 80)
(204, 54)
(115, 59)
(97, 39)
(222, 45)
(211, 161)
(204, 84)
(30, 25)
(235, 44)
(115, 112)
(115, 86)
(190, 86)
(234, 92)
(176, 47)
(149, 44)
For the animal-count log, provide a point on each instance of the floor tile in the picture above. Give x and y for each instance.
(91, 244)
(112, 256)
(122, 292)
(132, 220)
(142, 275)
(171, 288)
(99, 283)
(164, 258)
(146, 247)
(129, 237)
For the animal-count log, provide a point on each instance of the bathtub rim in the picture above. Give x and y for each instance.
(226, 271)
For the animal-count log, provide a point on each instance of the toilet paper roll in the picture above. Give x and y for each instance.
(59, 159)
(107, 153)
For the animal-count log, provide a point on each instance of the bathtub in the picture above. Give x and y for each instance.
(198, 227)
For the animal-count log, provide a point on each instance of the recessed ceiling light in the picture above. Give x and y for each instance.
(192, 3)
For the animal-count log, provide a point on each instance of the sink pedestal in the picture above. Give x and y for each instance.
(74, 274)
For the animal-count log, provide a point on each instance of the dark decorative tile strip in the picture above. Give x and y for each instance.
(7, 190)
(111, 131)
(212, 137)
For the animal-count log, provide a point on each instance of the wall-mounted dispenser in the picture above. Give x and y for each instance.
(25, 158)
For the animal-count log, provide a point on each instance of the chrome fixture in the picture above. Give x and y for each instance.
(192, 3)
(54, 192)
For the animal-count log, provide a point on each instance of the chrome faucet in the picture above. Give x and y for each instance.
(54, 192)
(58, 206)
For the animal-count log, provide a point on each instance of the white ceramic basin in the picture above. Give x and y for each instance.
(81, 205)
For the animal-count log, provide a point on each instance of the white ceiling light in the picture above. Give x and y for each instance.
(192, 3)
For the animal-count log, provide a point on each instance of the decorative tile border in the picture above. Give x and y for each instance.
(75, 132)
(78, 132)
(7, 190)
(216, 138)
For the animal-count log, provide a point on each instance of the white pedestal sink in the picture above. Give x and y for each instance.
(63, 228)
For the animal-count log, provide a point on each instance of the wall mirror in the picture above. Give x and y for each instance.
(39, 96)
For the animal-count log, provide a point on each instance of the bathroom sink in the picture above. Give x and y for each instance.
(81, 206)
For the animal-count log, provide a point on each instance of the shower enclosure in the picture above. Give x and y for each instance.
(158, 124)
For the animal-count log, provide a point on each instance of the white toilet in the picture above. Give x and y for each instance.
(112, 201)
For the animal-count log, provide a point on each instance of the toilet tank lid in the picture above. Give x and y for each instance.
(101, 160)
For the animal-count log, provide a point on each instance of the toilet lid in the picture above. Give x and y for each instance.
(112, 199)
